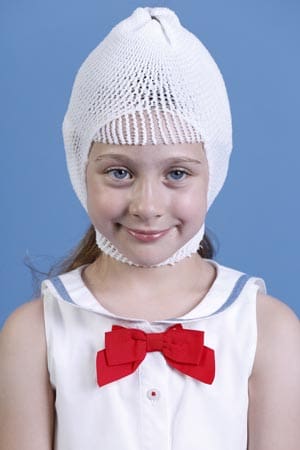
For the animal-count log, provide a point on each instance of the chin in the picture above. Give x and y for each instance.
(147, 260)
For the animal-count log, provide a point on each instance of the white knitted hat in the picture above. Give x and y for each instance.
(149, 81)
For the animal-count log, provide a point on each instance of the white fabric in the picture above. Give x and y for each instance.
(187, 414)
(150, 81)
(187, 250)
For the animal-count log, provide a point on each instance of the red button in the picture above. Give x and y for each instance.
(153, 394)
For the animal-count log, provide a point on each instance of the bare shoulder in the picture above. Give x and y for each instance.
(274, 385)
(29, 310)
(23, 341)
(276, 321)
(278, 333)
(25, 391)
(25, 326)
(268, 304)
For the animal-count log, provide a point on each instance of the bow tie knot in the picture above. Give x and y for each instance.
(155, 342)
(183, 349)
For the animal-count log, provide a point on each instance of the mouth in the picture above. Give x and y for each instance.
(147, 235)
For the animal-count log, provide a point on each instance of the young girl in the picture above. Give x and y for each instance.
(144, 342)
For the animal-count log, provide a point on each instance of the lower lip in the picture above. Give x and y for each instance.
(147, 237)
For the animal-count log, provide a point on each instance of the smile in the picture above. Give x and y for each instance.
(147, 236)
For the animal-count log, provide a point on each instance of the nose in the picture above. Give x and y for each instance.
(146, 202)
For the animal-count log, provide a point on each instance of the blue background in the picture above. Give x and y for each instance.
(256, 216)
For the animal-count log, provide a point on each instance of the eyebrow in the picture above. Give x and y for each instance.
(172, 159)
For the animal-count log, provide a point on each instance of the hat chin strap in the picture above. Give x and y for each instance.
(185, 251)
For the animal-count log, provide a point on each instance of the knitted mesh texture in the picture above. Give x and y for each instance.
(149, 82)
(187, 250)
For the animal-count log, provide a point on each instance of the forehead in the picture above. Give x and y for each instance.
(159, 152)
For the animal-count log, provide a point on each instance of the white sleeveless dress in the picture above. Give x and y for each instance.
(156, 407)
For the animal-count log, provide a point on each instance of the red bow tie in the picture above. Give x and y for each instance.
(125, 349)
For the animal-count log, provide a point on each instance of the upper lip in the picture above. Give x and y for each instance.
(147, 232)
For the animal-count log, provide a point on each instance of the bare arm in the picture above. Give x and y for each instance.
(274, 387)
(26, 397)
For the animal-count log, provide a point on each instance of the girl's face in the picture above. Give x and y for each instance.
(148, 201)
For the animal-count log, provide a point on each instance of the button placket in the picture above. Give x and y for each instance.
(154, 404)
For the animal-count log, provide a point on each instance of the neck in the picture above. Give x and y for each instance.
(107, 273)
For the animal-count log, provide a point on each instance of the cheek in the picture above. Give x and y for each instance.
(192, 207)
(103, 203)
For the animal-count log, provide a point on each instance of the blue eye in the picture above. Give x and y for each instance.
(119, 174)
(178, 174)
